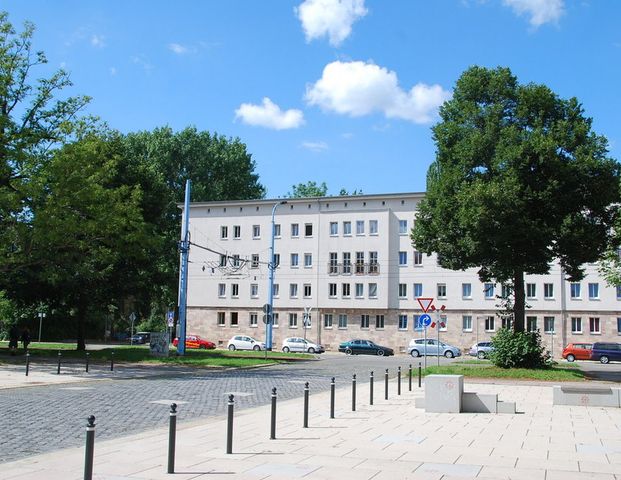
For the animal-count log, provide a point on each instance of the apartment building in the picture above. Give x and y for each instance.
(349, 261)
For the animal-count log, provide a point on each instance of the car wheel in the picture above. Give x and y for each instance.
(202, 347)
(256, 348)
(285, 349)
(604, 359)
(311, 350)
(448, 354)
(481, 355)
(348, 351)
(380, 353)
(415, 353)
(232, 348)
(570, 358)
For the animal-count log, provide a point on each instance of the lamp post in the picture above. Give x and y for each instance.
(272, 267)
(41, 317)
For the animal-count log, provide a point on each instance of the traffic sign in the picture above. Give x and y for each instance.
(132, 316)
(267, 308)
(267, 319)
(425, 320)
(425, 303)
(170, 318)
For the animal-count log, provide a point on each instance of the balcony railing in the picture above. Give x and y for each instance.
(372, 268)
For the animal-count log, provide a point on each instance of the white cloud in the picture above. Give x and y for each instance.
(98, 41)
(178, 48)
(315, 146)
(358, 88)
(332, 18)
(143, 62)
(269, 115)
(540, 11)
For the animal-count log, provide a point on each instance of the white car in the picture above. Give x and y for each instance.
(297, 344)
(420, 346)
(243, 342)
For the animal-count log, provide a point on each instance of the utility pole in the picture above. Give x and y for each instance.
(184, 248)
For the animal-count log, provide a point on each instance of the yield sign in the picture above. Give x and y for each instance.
(425, 303)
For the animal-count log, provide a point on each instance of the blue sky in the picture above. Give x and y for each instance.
(338, 91)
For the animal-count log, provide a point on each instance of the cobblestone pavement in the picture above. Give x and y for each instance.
(39, 419)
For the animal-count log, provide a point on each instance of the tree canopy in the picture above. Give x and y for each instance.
(308, 189)
(519, 180)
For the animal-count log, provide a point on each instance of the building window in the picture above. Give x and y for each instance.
(403, 290)
(277, 230)
(506, 291)
(293, 290)
(489, 323)
(360, 227)
(276, 290)
(372, 227)
(236, 231)
(254, 261)
(618, 292)
(576, 325)
(347, 229)
(276, 260)
(333, 266)
(334, 229)
(293, 320)
(223, 260)
(418, 258)
(594, 325)
(418, 290)
(308, 321)
(575, 290)
(308, 230)
(254, 290)
(224, 232)
(531, 290)
(307, 290)
(403, 227)
(221, 319)
(295, 230)
(488, 289)
(327, 320)
(308, 260)
(275, 317)
(548, 324)
(548, 290)
(372, 290)
(342, 320)
(256, 231)
(531, 324)
(593, 291)
(403, 259)
(294, 260)
(443, 323)
(254, 320)
(466, 290)
(373, 263)
(234, 290)
(441, 290)
(347, 263)
(418, 325)
(332, 289)
(345, 290)
(236, 260)
(466, 323)
(359, 262)
(507, 322)
(379, 321)
(364, 321)
(359, 290)
(618, 325)
(234, 319)
(403, 322)
(221, 290)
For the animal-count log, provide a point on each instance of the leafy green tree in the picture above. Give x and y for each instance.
(518, 350)
(308, 189)
(519, 180)
(344, 192)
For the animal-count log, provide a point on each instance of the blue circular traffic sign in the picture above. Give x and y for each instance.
(425, 320)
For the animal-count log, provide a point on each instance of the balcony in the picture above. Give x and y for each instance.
(372, 268)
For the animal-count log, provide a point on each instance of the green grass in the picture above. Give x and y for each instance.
(141, 354)
(487, 370)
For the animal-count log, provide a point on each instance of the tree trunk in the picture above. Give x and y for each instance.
(519, 303)
(81, 320)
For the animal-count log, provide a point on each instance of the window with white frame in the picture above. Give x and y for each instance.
(347, 263)
(254, 320)
(466, 323)
(221, 290)
(418, 258)
(441, 290)
(293, 290)
(308, 260)
(489, 323)
(359, 290)
(359, 262)
(293, 320)
(308, 321)
(308, 230)
(256, 231)
(531, 290)
(418, 326)
(548, 291)
(347, 229)
(443, 323)
(548, 324)
(308, 291)
(373, 262)
(618, 325)
(507, 321)
(221, 316)
(275, 317)
(236, 231)
(576, 324)
(332, 289)
(531, 324)
(403, 322)
(294, 260)
(372, 227)
(345, 290)
(403, 259)
(342, 320)
(403, 290)
(223, 260)
(234, 319)
(254, 290)
(333, 266)
(327, 320)
(276, 260)
(506, 291)
(236, 260)
(277, 230)
(334, 229)
(594, 326)
(234, 290)
(488, 290)
(593, 291)
(466, 290)
(254, 261)
(574, 290)
(359, 227)
(224, 232)
(379, 322)
(618, 292)
(364, 321)
(403, 227)
(372, 290)
(418, 290)
(295, 230)
(276, 290)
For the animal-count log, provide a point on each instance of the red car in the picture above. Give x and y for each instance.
(194, 341)
(577, 351)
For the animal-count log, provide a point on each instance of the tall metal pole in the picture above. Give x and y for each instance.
(41, 317)
(270, 301)
(184, 247)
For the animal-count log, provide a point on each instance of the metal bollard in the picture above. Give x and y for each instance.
(332, 389)
(306, 391)
(410, 378)
(386, 385)
(172, 437)
(229, 426)
(27, 363)
(273, 424)
(398, 380)
(353, 393)
(58, 369)
(112, 361)
(419, 374)
(87, 355)
(90, 447)
(371, 389)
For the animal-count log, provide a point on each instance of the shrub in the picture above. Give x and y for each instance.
(517, 349)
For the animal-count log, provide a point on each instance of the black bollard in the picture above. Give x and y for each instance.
(332, 390)
(87, 355)
(58, 369)
(398, 380)
(112, 361)
(90, 447)
(273, 424)
(306, 391)
(386, 385)
(229, 426)
(371, 389)
(172, 437)
(410, 378)
(27, 363)
(353, 393)
(419, 374)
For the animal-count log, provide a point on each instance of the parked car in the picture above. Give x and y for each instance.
(243, 342)
(194, 341)
(364, 347)
(606, 352)
(430, 346)
(577, 351)
(140, 338)
(297, 344)
(481, 350)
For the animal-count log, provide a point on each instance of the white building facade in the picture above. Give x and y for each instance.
(350, 261)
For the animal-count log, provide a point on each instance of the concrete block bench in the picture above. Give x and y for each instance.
(586, 396)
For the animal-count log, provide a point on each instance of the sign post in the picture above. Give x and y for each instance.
(132, 319)
(425, 303)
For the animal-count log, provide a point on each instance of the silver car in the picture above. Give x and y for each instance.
(430, 346)
(297, 344)
(481, 350)
(243, 342)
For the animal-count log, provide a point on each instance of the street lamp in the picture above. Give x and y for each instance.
(270, 302)
(41, 317)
